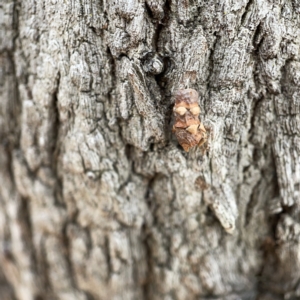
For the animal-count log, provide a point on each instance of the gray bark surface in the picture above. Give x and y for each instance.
(98, 200)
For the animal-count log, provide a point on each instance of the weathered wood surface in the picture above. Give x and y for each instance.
(98, 200)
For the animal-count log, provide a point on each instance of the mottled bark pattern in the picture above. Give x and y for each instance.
(98, 200)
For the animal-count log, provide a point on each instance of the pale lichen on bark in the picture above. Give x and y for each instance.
(98, 200)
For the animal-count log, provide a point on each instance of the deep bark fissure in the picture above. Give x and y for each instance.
(67, 254)
(46, 289)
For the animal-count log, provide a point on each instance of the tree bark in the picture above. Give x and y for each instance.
(98, 200)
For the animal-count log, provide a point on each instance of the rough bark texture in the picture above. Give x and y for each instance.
(98, 200)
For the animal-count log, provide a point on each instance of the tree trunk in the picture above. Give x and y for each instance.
(98, 200)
